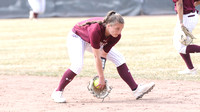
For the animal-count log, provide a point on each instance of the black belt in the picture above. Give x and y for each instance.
(191, 15)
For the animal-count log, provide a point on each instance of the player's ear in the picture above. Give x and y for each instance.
(108, 25)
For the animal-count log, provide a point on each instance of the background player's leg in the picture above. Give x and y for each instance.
(190, 68)
(35, 5)
(193, 49)
(189, 23)
(42, 6)
(187, 59)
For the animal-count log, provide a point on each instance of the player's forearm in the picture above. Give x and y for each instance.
(99, 67)
(179, 6)
(98, 62)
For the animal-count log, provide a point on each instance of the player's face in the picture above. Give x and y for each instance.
(115, 29)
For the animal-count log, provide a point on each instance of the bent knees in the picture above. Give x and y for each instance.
(76, 67)
(116, 57)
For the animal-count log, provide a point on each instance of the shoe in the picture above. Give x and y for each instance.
(143, 89)
(188, 71)
(57, 96)
(31, 15)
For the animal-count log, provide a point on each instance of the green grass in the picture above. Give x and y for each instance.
(39, 48)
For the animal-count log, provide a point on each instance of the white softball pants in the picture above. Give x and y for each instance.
(190, 23)
(38, 6)
(76, 48)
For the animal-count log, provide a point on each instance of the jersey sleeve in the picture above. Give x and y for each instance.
(175, 1)
(111, 43)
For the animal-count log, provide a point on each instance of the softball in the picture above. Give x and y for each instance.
(96, 82)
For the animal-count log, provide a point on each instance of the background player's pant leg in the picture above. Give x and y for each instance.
(42, 6)
(190, 22)
(37, 5)
(76, 49)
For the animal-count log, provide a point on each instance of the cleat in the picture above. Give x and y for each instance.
(188, 71)
(57, 96)
(143, 89)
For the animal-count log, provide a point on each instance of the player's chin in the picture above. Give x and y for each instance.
(115, 35)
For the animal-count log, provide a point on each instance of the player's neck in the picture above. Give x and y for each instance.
(107, 34)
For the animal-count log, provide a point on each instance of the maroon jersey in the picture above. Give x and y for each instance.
(188, 6)
(95, 34)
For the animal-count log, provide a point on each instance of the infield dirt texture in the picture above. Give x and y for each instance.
(33, 58)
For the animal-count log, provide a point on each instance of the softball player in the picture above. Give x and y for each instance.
(38, 7)
(187, 16)
(98, 35)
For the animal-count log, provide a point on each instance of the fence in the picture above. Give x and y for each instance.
(80, 8)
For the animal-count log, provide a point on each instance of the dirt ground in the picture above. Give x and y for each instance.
(32, 94)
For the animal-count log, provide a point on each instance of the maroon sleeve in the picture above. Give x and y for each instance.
(94, 35)
(111, 43)
(175, 1)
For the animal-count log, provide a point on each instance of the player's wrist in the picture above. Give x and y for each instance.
(101, 76)
(181, 21)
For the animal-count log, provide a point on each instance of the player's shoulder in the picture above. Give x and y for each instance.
(93, 19)
(96, 19)
(174, 1)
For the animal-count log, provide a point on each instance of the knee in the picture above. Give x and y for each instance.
(76, 67)
(182, 50)
(118, 60)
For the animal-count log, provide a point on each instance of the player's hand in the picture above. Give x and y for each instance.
(102, 83)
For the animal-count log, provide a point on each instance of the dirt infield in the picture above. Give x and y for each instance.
(32, 94)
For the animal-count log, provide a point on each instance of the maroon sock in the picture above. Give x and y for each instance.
(126, 76)
(187, 59)
(193, 49)
(35, 15)
(66, 79)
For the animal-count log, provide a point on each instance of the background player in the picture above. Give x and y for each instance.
(38, 7)
(98, 35)
(187, 16)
